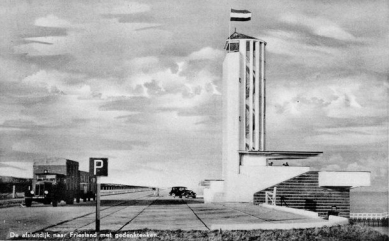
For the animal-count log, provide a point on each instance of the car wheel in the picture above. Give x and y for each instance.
(173, 195)
(70, 201)
(28, 202)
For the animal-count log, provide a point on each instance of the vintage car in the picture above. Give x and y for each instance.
(189, 193)
(177, 191)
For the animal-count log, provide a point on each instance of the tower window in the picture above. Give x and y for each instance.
(232, 47)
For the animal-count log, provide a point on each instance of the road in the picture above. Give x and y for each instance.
(136, 211)
(39, 217)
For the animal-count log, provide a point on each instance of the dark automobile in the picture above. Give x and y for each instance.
(49, 188)
(189, 193)
(177, 191)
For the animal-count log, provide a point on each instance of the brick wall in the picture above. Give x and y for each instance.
(303, 192)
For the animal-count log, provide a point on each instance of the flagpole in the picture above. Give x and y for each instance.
(237, 15)
(229, 32)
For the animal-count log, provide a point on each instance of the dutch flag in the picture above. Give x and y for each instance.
(240, 15)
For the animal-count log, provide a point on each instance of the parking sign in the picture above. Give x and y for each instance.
(98, 166)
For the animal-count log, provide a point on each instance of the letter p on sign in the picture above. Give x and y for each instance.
(98, 166)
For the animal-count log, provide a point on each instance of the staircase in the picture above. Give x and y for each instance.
(303, 192)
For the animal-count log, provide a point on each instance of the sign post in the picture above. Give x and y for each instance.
(98, 204)
(98, 167)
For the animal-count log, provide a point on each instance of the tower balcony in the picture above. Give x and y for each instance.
(344, 179)
(262, 158)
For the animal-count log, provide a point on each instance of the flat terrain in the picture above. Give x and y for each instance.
(133, 211)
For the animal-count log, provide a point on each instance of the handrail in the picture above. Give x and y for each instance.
(369, 215)
(271, 196)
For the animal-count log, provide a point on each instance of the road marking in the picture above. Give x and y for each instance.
(196, 214)
(137, 215)
(75, 218)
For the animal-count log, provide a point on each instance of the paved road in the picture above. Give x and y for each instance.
(38, 217)
(134, 211)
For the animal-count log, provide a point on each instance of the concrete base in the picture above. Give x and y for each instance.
(334, 221)
(301, 212)
(313, 221)
(215, 192)
(210, 196)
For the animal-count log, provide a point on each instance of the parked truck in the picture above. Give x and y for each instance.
(87, 186)
(57, 179)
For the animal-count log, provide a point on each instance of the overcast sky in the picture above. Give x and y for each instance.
(141, 83)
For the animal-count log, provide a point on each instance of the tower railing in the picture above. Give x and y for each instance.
(370, 219)
(369, 215)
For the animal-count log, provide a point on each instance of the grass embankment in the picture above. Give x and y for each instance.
(10, 202)
(345, 232)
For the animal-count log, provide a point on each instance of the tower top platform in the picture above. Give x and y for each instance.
(237, 35)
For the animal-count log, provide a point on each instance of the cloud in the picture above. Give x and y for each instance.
(141, 118)
(207, 53)
(355, 97)
(52, 21)
(319, 25)
(76, 144)
(11, 165)
(333, 167)
(327, 101)
(20, 124)
(298, 51)
(378, 166)
(39, 31)
(134, 104)
(16, 169)
(153, 88)
(349, 136)
(121, 7)
(108, 36)
(355, 167)
(54, 45)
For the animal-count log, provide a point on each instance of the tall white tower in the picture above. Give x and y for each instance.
(244, 102)
(247, 167)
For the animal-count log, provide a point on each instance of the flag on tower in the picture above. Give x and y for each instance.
(240, 15)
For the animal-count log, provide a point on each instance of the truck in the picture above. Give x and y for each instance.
(57, 179)
(88, 186)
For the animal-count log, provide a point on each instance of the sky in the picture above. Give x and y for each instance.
(140, 82)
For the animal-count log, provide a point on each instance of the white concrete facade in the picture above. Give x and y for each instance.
(241, 187)
(215, 192)
(344, 179)
(245, 161)
(231, 110)
(243, 105)
(244, 126)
